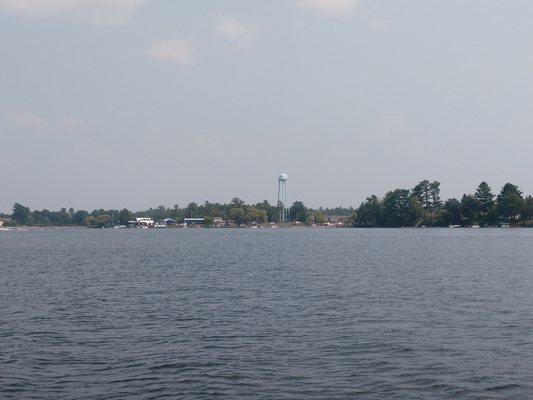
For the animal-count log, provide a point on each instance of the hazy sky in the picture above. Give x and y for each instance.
(136, 103)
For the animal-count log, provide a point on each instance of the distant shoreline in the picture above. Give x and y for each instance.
(420, 207)
(75, 227)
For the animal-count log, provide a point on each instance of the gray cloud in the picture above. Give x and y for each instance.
(107, 11)
(179, 50)
(333, 8)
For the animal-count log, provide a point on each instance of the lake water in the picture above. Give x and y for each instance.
(266, 314)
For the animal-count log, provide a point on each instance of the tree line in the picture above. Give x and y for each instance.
(236, 211)
(420, 206)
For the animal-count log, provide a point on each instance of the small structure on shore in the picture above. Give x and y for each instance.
(169, 222)
(142, 222)
(4, 220)
(218, 222)
(193, 221)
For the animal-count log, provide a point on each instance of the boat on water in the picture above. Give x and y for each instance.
(120, 226)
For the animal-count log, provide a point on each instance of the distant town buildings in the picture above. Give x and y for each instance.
(145, 222)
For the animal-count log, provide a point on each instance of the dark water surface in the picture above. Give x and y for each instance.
(266, 314)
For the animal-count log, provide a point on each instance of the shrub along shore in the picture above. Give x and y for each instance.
(420, 206)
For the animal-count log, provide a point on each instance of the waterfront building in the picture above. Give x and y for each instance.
(193, 221)
(169, 222)
(218, 222)
(4, 220)
(144, 222)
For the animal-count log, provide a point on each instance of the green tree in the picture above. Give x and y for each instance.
(400, 209)
(422, 193)
(510, 202)
(527, 212)
(254, 215)
(369, 213)
(41, 218)
(236, 202)
(124, 216)
(298, 211)
(79, 216)
(428, 196)
(237, 215)
(351, 220)
(272, 211)
(434, 192)
(192, 210)
(102, 220)
(493, 216)
(451, 214)
(509, 188)
(470, 209)
(319, 218)
(89, 221)
(417, 213)
(208, 209)
(21, 215)
(60, 218)
(485, 197)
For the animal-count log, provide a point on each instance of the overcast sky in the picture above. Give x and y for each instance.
(136, 103)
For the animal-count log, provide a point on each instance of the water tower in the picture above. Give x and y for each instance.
(282, 198)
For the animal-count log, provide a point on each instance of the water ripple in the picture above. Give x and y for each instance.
(281, 314)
